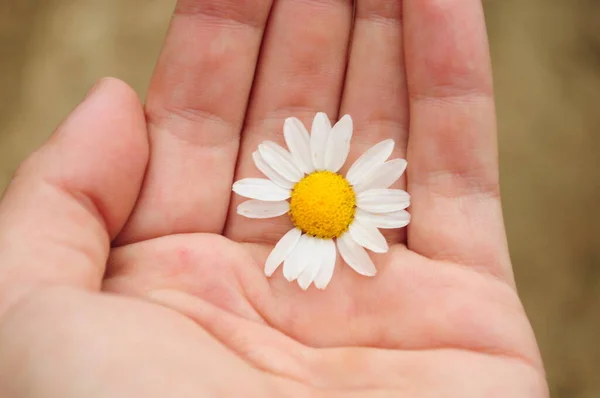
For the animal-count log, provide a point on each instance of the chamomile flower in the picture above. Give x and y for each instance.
(326, 208)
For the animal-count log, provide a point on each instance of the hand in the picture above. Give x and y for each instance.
(179, 306)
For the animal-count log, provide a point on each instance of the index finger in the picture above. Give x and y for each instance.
(195, 109)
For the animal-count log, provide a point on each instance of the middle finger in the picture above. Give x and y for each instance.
(301, 72)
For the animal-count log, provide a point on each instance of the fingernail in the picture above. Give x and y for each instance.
(95, 88)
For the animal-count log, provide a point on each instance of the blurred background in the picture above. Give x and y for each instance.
(546, 56)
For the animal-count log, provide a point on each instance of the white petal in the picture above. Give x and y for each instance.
(329, 255)
(280, 160)
(368, 236)
(299, 258)
(355, 256)
(373, 157)
(282, 250)
(338, 144)
(261, 189)
(312, 269)
(383, 200)
(319, 134)
(397, 219)
(382, 176)
(260, 209)
(269, 172)
(298, 141)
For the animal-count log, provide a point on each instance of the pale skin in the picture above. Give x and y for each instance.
(178, 305)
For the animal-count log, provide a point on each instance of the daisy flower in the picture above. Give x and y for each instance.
(326, 208)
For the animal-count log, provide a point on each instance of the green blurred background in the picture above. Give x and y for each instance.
(546, 56)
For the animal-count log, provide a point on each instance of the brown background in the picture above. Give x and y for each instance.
(546, 57)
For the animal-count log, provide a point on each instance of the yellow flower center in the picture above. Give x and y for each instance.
(323, 205)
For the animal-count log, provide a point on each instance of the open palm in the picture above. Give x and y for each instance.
(180, 306)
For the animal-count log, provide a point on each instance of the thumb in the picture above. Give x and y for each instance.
(71, 197)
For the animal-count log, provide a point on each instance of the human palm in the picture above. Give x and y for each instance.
(180, 306)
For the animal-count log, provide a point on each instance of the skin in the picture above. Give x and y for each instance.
(125, 272)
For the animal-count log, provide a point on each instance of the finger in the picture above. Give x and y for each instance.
(70, 198)
(195, 108)
(375, 92)
(301, 72)
(453, 169)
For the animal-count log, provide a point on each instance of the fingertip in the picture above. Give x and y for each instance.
(110, 94)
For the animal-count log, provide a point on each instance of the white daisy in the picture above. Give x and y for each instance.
(323, 205)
